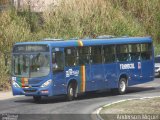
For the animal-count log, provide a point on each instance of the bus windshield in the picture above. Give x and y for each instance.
(31, 65)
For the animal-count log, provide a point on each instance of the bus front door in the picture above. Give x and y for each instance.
(58, 71)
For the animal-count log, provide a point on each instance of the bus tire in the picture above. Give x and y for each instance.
(122, 86)
(71, 92)
(37, 98)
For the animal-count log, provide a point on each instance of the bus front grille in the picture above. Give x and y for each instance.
(29, 91)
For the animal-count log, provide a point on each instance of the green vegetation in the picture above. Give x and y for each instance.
(145, 106)
(78, 18)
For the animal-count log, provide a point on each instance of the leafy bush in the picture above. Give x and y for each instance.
(81, 18)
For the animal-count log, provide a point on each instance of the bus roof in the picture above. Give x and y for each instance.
(90, 42)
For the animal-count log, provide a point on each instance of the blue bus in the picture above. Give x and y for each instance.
(69, 67)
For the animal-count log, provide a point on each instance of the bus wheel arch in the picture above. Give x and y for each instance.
(72, 89)
(122, 84)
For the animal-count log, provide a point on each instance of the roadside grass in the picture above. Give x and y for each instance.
(5, 83)
(143, 106)
(4, 78)
(157, 49)
(75, 18)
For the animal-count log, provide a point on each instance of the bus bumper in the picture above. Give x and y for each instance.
(33, 91)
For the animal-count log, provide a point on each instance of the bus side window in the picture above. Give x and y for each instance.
(122, 53)
(57, 61)
(109, 53)
(134, 51)
(70, 56)
(96, 54)
(83, 55)
(146, 51)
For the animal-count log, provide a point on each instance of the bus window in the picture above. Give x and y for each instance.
(146, 51)
(57, 61)
(83, 55)
(96, 54)
(109, 53)
(70, 57)
(134, 52)
(122, 53)
(21, 65)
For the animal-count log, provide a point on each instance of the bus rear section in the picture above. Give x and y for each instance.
(136, 62)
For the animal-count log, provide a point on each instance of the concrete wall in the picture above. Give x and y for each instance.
(35, 5)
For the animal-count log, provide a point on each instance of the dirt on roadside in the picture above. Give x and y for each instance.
(6, 95)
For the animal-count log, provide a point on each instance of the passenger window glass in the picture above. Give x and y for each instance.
(145, 47)
(57, 61)
(109, 53)
(146, 51)
(134, 52)
(70, 57)
(83, 55)
(122, 53)
(96, 54)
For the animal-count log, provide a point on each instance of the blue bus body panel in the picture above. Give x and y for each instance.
(89, 42)
(147, 70)
(97, 76)
(111, 78)
(34, 88)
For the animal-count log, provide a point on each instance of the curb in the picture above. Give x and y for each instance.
(10, 98)
(4, 95)
(99, 109)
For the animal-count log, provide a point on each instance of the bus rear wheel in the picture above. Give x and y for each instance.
(71, 92)
(122, 86)
(37, 98)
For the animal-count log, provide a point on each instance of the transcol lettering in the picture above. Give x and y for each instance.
(127, 66)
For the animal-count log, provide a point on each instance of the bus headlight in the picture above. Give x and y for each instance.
(48, 82)
(15, 84)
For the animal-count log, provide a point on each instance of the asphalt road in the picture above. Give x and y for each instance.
(81, 109)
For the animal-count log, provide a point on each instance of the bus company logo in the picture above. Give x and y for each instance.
(72, 72)
(127, 66)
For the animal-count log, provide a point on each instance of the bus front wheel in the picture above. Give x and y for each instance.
(71, 92)
(122, 86)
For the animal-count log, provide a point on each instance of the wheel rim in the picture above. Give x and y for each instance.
(71, 91)
(122, 86)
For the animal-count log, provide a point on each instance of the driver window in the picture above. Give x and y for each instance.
(57, 61)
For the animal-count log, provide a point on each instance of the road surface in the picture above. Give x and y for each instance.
(81, 109)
